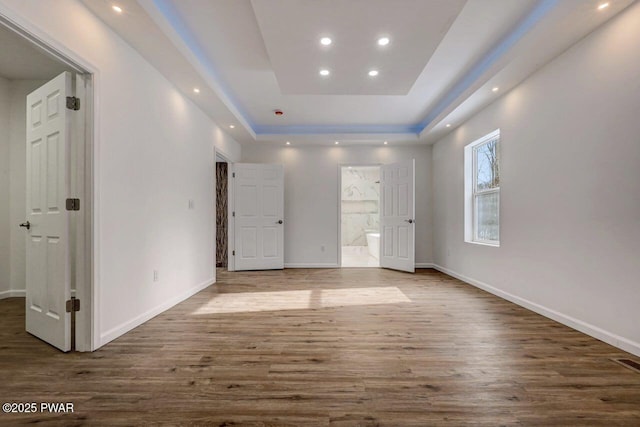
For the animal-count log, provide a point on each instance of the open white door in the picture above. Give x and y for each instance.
(397, 217)
(259, 216)
(48, 276)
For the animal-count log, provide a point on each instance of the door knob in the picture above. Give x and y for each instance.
(26, 225)
(280, 221)
(410, 221)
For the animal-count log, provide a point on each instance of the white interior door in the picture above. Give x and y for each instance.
(397, 216)
(259, 216)
(48, 280)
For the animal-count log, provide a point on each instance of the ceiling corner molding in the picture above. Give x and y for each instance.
(354, 139)
(338, 129)
(168, 19)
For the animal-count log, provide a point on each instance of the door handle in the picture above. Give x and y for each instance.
(410, 221)
(26, 225)
(279, 221)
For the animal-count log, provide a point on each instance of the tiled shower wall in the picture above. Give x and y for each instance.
(360, 198)
(221, 214)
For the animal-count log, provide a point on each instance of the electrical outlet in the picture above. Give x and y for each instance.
(156, 276)
(322, 248)
(191, 204)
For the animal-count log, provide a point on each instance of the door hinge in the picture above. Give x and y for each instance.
(233, 213)
(233, 175)
(233, 253)
(73, 103)
(73, 304)
(73, 204)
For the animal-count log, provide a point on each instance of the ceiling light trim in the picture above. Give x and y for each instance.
(336, 129)
(372, 139)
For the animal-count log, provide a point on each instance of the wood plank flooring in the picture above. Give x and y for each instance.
(447, 354)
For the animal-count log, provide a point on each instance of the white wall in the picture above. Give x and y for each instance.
(5, 271)
(227, 146)
(570, 195)
(154, 152)
(311, 196)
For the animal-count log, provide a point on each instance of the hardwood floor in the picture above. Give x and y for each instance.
(404, 350)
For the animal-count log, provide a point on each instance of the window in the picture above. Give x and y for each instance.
(482, 190)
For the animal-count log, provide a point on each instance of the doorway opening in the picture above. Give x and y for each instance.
(222, 211)
(360, 216)
(46, 109)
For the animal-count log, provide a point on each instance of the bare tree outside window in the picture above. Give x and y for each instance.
(486, 194)
(488, 170)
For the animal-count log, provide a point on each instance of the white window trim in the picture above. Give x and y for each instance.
(469, 193)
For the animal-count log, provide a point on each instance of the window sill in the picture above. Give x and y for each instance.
(491, 244)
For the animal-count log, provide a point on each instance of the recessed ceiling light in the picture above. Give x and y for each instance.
(117, 8)
(373, 73)
(448, 125)
(325, 41)
(288, 143)
(337, 142)
(196, 90)
(383, 41)
(385, 143)
(324, 72)
(495, 89)
(603, 6)
(232, 126)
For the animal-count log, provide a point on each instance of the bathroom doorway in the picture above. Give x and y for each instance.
(360, 216)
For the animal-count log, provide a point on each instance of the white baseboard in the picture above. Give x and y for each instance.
(125, 327)
(330, 265)
(586, 328)
(424, 265)
(12, 293)
(312, 265)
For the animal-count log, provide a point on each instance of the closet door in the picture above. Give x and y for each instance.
(259, 216)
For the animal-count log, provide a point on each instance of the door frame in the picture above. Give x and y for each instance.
(82, 176)
(230, 200)
(340, 166)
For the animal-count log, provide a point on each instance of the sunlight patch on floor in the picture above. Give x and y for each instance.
(301, 300)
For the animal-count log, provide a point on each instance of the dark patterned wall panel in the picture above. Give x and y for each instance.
(221, 214)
